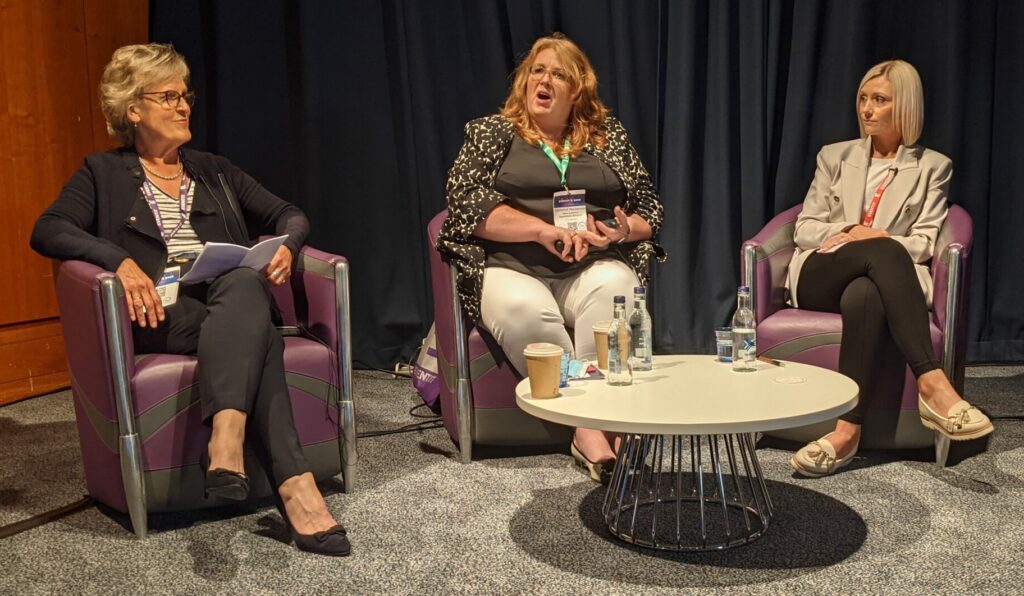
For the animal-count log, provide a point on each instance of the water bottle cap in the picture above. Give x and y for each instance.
(640, 290)
(744, 289)
(619, 300)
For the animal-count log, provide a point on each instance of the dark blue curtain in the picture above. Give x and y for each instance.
(354, 111)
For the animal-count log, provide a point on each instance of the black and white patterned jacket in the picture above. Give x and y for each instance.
(471, 196)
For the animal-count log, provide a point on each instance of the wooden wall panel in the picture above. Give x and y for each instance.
(47, 119)
(110, 24)
(51, 56)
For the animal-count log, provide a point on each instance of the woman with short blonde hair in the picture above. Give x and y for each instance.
(146, 209)
(907, 98)
(131, 70)
(864, 237)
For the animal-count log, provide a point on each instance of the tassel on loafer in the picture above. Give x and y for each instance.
(332, 542)
(599, 472)
(818, 458)
(963, 422)
(224, 483)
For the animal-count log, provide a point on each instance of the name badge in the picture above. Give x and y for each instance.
(570, 208)
(167, 289)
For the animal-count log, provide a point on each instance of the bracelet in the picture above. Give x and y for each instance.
(624, 237)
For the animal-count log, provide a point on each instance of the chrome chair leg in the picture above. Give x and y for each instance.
(941, 449)
(134, 487)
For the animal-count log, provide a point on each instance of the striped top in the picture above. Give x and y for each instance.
(185, 239)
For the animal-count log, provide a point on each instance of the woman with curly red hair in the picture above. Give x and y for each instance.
(530, 266)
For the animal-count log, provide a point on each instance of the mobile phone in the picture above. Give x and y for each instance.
(611, 222)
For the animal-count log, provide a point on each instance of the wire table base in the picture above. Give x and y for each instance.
(687, 493)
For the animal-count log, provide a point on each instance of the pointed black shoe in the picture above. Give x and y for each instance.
(333, 542)
(224, 483)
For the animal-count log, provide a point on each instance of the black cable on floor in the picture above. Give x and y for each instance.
(414, 427)
(430, 416)
(44, 518)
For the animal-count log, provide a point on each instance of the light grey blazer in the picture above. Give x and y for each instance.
(912, 209)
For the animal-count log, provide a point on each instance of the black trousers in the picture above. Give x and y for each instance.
(229, 324)
(873, 284)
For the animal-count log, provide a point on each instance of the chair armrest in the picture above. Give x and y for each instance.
(98, 339)
(444, 296)
(320, 287)
(948, 266)
(452, 333)
(765, 262)
(950, 278)
(320, 284)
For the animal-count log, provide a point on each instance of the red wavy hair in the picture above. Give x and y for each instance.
(587, 118)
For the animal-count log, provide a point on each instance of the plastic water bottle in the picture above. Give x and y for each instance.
(619, 344)
(641, 357)
(744, 334)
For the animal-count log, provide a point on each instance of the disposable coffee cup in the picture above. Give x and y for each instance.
(601, 342)
(544, 368)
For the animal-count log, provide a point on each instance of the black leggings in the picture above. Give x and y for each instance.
(873, 284)
(229, 326)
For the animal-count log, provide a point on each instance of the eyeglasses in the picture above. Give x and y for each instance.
(172, 99)
(538, 71)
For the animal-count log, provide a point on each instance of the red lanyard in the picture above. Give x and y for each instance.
(869, 215)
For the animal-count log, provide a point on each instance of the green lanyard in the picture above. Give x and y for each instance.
(561, 164)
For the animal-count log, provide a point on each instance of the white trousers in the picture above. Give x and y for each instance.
(520, 309)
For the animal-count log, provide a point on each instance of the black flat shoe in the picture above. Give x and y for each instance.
(332, 542)
(224, 483)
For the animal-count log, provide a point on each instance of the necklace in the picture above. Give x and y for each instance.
(174, 176)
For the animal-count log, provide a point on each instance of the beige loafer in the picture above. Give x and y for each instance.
(818, 458)
(963, 422)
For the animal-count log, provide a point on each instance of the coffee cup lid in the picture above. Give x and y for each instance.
(602, 325)
(542, 349)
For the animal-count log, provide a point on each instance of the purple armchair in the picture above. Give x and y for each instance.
(139, 417)
(813, 337)
(478, 402)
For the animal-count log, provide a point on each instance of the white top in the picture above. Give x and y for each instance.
(878, 169)
(697, 395)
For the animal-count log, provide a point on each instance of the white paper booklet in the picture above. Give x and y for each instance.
(218, 257)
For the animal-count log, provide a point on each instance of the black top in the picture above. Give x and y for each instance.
(530, 179)
(101, 216)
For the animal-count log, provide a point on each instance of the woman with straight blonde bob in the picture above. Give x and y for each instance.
(864, 237)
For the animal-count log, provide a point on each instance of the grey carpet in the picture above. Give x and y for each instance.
(420, 522)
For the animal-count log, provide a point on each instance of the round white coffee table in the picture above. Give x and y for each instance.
(687, 475)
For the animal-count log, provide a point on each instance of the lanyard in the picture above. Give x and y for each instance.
(561, 164)
(869, 216)
(149, 192)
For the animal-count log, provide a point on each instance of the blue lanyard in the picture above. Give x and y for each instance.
(150, 193)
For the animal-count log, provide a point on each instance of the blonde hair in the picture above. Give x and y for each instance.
(131, 69)
(907, 97)
(587, 118)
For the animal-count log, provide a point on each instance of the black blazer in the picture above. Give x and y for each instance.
(102, 217)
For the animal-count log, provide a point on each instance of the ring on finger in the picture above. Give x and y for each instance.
(276, 273)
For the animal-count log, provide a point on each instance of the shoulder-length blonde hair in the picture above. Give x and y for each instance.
(131, 69)
(907, 98)
(587, 119)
